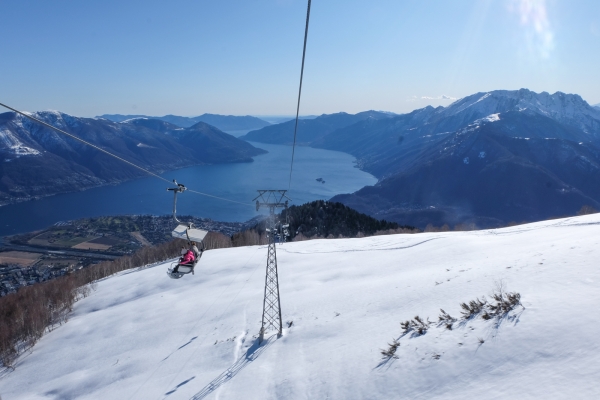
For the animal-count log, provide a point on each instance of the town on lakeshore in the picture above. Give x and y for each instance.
(32, 257)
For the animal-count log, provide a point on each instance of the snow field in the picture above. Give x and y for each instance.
(141, 335)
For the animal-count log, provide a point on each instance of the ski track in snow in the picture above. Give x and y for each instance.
(141, 335)
(349, 249)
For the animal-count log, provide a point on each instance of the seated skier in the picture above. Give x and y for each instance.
(187, 259)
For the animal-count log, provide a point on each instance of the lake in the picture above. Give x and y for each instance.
(237, 182)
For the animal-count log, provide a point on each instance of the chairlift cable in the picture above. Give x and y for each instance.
(299, 92)
(84, 142)
(111, 154)
(220, 198)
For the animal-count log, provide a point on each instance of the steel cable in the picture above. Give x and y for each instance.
(111, 154)
(299, 93)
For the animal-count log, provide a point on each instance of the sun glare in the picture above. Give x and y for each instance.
(534, 18)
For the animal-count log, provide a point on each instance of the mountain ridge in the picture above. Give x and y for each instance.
(480, 175)
(400, 152)
(367, 143)
(37, 161)
(518, 165)
(222, 122)
(310, 130)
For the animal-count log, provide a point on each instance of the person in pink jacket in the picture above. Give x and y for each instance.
(187, 258)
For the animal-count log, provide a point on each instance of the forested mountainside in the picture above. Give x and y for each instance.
(489, 159)
(327, 219)
(37, 161)
(331, 219)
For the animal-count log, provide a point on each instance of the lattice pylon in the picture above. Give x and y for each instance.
(271, 319)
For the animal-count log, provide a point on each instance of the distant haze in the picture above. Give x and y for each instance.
(223, 122)
(277, 119)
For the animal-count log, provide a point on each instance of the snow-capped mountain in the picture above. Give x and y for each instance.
(38, 161)
(373, 141)
(11, 143)
(489, 175)
(354, 132)
(567, 109)
(141, 335)
(419, 158)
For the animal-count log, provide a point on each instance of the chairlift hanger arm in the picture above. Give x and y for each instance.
(271, 193)
(185, 230)
(271, 199)
(179, 189)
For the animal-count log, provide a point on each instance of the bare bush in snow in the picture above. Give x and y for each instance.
(503, 301)
(446, 319)
(390, 352)
(500, 304)
(473, 308)
(417, 325)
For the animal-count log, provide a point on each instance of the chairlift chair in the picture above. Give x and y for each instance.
(286, 231)
(186, 232)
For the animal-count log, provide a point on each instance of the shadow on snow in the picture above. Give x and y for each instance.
(251, 354)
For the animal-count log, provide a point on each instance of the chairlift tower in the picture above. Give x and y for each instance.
(271, 318)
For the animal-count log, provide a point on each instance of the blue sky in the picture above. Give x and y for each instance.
(243, 56)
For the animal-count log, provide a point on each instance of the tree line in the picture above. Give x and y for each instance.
(33, 310)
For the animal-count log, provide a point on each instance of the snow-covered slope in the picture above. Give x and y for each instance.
(142, 335)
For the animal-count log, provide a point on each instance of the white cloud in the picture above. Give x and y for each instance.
(421, 98)
(441, 97)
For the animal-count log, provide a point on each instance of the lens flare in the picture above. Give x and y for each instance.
(534, 17)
